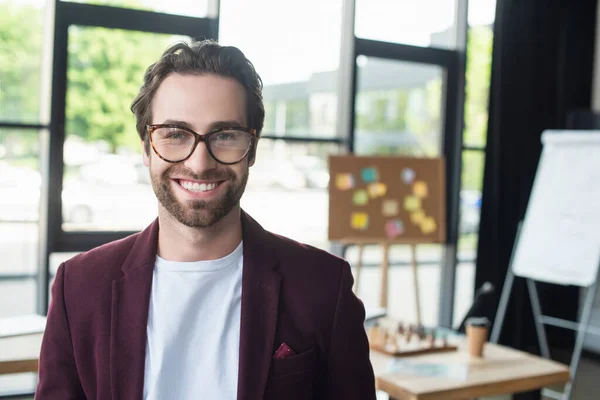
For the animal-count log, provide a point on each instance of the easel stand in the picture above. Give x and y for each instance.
(540, 320)
(383, 299)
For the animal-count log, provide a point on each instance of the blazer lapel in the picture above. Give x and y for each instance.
(260, 299)
(129, 317)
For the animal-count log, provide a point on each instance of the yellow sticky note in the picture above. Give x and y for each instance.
(420, 189)
(360, 198)
(344, 181)
(360, 221)
(412, 203)
(389, 208)
(428, 225)
(377, 190)
(417, 217)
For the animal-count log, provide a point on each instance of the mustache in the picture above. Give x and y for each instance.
(215, 174)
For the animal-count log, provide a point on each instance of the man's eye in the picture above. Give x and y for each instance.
(226, 136)
(177, 135)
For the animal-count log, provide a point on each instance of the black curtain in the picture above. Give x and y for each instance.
(541, 69)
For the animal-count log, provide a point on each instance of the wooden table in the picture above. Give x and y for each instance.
(20, 353)
(502, 370)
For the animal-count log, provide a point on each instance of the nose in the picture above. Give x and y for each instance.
(200, 160)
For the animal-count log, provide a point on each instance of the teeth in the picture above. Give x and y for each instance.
(198, 187)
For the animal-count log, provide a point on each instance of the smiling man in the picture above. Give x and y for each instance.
(204, 303)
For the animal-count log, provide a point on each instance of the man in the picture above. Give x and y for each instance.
(204, 303)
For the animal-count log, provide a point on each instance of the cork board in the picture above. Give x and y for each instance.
(387, 199)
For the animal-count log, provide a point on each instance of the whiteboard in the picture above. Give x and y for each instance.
(560, 236)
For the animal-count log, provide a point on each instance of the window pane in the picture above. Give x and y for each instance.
(106, 186)
(19, 200)
(299, 65)
(479, 66)
(463, 290)
(427, 23)
(398, 108)
(17, 297)
(401, 298)
(191, 8)
(470, 202)
(287, 190)
(21, 61)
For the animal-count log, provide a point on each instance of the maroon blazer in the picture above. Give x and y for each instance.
(94, 346)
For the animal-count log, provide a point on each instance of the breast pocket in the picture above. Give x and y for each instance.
(292, 378)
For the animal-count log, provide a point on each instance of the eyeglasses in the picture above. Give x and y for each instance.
(174, 143)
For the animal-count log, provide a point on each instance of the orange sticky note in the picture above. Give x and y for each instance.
(412, 203)
(420, 189)
(428, 225)
(390, 208)
(344, 181)
(377, 190)
(417, 217)
(360, 221)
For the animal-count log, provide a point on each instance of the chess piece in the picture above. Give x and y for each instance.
(401, 329)
(409, 334)
(444, 341)
(421, 332)
(391, 343)
(431, 338)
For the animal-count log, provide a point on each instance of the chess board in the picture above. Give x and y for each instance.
(402, 341)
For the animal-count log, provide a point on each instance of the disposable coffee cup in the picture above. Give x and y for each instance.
(477, 334)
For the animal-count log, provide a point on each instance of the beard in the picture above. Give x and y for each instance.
(199, 213)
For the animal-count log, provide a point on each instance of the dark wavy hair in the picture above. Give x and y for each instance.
(201, 57)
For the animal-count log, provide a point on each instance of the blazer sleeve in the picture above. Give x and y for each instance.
(349, 371)
(58, 378)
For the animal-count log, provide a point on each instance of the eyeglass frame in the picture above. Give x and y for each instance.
(201, 138)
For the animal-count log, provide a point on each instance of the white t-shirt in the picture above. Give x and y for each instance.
(194, 329)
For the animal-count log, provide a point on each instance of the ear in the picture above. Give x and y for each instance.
(145, 156)
(253, 160)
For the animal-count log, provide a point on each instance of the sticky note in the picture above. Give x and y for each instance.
(428, 225)
(412, 203)
(420, 189)
(408, 175)
(416, 217)
(369, 174)
(345, 181)
(389, 208)
(360, 221)
(360, 198)
(377, 190)
(394, 228)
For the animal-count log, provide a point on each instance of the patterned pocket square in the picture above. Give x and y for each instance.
(284, 351)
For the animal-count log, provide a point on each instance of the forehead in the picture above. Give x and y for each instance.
(200, 100)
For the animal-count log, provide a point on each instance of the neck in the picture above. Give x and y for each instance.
(177, 242)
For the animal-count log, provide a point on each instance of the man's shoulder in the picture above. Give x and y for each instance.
(102, 259)
(304, 258)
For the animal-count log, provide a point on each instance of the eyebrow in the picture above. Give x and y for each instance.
(211, 127)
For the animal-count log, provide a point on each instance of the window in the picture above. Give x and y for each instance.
(297, 63)
(106, 186)
(408, 22)
(479, 62)
(398, 108)
(21, 46)
(190, 8)
(287, 189)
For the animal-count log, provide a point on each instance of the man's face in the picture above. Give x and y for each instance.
(199, 191)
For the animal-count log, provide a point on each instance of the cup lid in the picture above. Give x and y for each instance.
(478, 321)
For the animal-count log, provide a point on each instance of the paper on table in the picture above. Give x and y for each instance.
(22, 325)
(451, 371)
